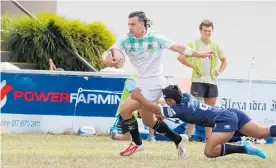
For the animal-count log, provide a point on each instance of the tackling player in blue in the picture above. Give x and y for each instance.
(225, 122)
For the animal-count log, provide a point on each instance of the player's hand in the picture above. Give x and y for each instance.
(208, 54)
(217, 73)
(160, 117)
(115, 62)
(111, 62)
(136, 94)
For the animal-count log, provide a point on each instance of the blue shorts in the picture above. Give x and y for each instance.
(230, 120)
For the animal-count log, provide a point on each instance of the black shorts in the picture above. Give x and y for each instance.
(121, 124)
(204, 90)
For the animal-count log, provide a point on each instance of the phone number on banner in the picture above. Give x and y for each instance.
(20, 123)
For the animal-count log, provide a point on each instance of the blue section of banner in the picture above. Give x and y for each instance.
(47, 94)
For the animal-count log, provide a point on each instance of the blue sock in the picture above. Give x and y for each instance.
(272, 131)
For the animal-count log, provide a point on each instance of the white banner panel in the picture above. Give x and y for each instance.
(22, 123)
(257, 99)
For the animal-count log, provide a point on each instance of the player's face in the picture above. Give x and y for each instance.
(206, 32)
(135, 26)
(170, 101)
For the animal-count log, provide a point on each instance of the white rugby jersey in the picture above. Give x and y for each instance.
(145, 53)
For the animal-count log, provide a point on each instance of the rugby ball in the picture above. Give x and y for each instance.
(114, 54)
(86, 131)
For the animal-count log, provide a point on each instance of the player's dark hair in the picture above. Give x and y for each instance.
(173, 92)
(142, 18)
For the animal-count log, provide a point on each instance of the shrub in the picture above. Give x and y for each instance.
(31, 41)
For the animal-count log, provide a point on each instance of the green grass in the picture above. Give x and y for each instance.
(39, 151)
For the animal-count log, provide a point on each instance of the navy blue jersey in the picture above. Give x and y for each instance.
(191, 110)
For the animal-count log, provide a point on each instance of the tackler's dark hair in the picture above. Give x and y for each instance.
(142, 18)
(173, 92)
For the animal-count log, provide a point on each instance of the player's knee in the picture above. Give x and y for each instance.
(148, 119)
(209, 154)
(124, 109)
(129, 106)
(148, 123)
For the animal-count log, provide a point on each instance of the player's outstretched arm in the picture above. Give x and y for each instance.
(136, 95)
(187, 51)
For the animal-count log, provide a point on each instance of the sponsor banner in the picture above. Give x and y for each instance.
(256, 98)
(48, 101)
(60, 95)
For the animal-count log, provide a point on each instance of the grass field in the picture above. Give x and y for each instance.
(53, 151)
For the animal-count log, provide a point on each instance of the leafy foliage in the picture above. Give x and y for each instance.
(33, 41)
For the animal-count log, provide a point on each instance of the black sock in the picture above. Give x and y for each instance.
(132, 126)
(162, 128)
(272, 131)
(227, 149)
